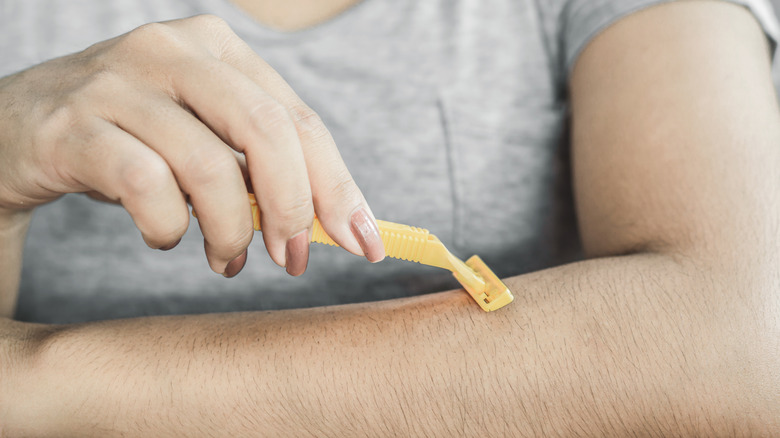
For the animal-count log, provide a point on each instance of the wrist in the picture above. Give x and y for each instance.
(13, 230)
(14, 221)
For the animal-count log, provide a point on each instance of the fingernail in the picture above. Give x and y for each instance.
(235, 266)
(171, 246)
(297, 253)
(367, 234)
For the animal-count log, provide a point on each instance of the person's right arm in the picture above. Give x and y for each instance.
(170, 113)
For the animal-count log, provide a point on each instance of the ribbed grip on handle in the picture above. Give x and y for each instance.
(403, 241)
(318, 234)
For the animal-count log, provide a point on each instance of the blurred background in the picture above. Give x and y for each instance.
(776, 6)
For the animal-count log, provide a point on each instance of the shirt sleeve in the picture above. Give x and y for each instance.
(584, 19)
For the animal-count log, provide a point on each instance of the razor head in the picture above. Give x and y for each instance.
(495, 295)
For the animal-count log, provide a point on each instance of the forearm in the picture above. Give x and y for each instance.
(636, 343)
(13, 230)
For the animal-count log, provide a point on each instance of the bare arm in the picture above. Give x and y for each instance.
(673, 331)
(13, 229)
(604, 347)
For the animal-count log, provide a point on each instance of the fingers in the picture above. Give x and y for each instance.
(338, 202)
(254, 123)
(292, 160)
(103, 158)
(205, 168)
(148, 153)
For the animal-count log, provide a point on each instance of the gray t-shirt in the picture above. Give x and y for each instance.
(451, 115)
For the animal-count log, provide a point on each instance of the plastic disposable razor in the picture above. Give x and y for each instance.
(419, 245)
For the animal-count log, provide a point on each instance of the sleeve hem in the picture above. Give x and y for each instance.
(588, 22)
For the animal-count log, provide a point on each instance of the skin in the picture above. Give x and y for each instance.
(670, 328)
(292, 15)
(129, 121)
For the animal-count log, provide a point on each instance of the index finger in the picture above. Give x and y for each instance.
(250, 121)
(338, 202)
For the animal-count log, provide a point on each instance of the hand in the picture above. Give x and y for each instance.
(165, 113)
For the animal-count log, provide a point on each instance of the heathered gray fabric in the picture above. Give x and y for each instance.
(451, 115)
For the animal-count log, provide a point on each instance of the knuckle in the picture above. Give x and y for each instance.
(238, 242)
(142, 177)
(205, 166)
(343, 187)
(157, 31)
(271, 118)
(56, 124)
(150, 32)
(209, 22)
(215, 33)
(309, 122)
(294, 213)
(149, 37)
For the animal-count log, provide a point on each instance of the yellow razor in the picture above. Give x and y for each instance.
(418, 245)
